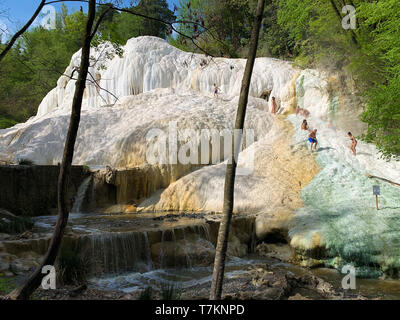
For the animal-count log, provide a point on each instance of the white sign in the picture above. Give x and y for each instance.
(376, 190)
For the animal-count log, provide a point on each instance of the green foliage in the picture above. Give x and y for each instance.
(373, 61)
(122, 26)
(275, 41)
(33, 66)
(72, 268)
(383, 118)
(6, 285)
(308, 32)
(31, 69)
(6, 122)
(218, 26)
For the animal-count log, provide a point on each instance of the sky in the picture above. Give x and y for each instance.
(15, 13)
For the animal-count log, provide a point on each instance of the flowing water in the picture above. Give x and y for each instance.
(131, 252)
(80, 195)
(180, 253)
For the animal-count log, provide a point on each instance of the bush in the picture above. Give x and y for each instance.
(6, 285)
(6, 122)
(25, 162)
(14, 226)
(72, 268)
(170, 292)
(146, 294)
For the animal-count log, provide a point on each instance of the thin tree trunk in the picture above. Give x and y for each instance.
(223, 234)
(22, 30)
(35, 279)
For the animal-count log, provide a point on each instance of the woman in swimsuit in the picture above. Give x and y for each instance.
(304, 125)
(215, 90)
(273, 106)
(353, 143)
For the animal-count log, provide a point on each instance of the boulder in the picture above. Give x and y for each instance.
(184, 252)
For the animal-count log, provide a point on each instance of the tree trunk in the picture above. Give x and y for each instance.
(22, 30)
(223, 234)
(35, 279)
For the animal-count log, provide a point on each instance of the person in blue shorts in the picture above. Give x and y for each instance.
(312, 137)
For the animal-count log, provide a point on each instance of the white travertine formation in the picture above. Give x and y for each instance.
(327, 192)
(149, 63)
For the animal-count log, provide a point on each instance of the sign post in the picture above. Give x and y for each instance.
(377, 192)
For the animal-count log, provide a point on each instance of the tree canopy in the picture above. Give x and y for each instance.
(32, 67)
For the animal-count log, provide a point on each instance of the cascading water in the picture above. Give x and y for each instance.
(80, 195)
(120, 252)
(113, 253)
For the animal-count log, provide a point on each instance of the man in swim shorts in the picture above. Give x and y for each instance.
(312, 137)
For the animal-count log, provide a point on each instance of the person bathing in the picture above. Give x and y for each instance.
(274, 107)
(303, 112)
(353, 143)
(304, 125)
(312, 137)
(215, 90)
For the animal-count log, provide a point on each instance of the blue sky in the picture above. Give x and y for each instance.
(18, 12)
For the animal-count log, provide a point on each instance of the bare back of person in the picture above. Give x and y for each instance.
(353, 143)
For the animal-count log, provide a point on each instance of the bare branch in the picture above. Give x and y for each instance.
(22, 30)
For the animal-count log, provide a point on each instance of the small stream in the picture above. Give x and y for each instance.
(131, 252)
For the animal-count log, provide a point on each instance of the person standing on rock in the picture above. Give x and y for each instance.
(353, 143)
(215, 91)
(274, 107)
(312, 137)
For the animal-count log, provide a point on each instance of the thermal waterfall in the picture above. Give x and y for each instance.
(320, 200)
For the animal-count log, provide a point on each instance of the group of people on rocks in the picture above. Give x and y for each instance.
(312, 137)
(312, 134)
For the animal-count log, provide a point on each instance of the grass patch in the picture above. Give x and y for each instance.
(170, 292)
(6, 122)
(6, 285)
(15, 226)
(72, 268)
(146, 294)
